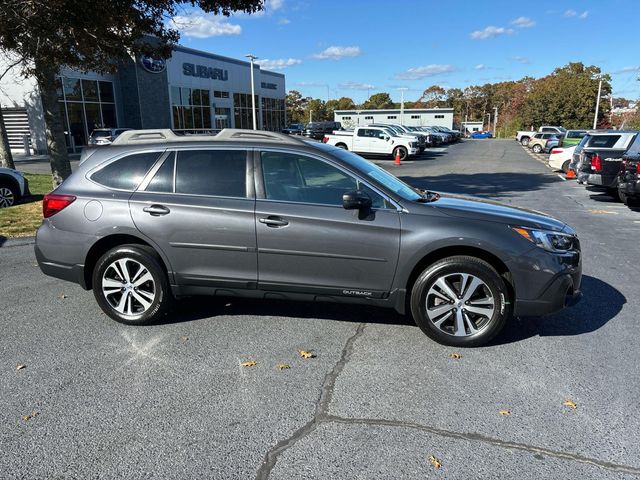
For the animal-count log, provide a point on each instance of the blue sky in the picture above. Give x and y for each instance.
(356, 48)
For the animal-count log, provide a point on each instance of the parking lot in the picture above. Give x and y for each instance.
(97, 399)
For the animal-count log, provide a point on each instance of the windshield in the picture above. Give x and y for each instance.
(101, 133)
(371, 170)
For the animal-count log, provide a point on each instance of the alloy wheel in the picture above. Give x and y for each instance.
(128, 287)
(6, 197)
(460, 304)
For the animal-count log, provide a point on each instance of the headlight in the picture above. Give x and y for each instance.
(551, 241)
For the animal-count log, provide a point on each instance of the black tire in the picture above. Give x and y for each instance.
(615, 193)
(487, 328)
(150, 260)
(537, 148)
(9, 194)
(524, 141)
(403, 153)
(565, 167)
(342, 146)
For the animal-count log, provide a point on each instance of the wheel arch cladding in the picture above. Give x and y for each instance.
(107, 243)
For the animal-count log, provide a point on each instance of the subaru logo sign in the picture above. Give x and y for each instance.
(153, 65)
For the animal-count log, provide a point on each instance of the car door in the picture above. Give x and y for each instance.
(199, 208)
(307, 241)
(379, 143)
(362, 140)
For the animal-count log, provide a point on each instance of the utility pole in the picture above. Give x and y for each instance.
(310, 116)
(495, 120)
(402, 90)
(595, 117)
(252, 57)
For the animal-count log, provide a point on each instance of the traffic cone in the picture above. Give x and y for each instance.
(571, 174)
(397, 160)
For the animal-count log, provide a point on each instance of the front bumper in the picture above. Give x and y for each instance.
(414, 151)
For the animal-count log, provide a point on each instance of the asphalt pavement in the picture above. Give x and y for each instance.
(97, 399)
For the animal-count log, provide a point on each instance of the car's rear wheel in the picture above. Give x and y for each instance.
(460, 301)
(524, 141)
(130, 285)
(537, 148)
(342, 146)
(565, 167)
(8, 195)
(402, 151)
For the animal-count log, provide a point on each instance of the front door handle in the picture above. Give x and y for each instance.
(156, 210)
(272, 221)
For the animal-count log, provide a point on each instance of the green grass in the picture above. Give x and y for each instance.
(23, 219)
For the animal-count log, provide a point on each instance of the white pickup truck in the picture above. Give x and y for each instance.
(523, 136)
(374, 141)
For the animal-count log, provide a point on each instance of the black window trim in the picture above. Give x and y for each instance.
(249, 183)
(162, 152)
(259, 179)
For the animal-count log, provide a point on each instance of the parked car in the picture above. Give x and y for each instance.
(104, 136)
(317, 130)
(523, 136)
(601, 156)
(141, 223)
(571, 138)
(13, 187)
(551, 143)
(560, 158)
(481, 135)
(629, 176)
(294, 129)
(403, 131)
(374, 141)
(538, 141)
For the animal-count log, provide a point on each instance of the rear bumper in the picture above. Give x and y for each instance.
(600, 180)
(69, 273)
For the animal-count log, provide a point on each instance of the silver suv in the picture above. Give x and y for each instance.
(156, 216)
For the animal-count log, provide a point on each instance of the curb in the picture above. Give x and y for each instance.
(16, 242)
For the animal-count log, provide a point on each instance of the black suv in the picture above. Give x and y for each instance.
(629, 176)
(258, 214)
(317, 130)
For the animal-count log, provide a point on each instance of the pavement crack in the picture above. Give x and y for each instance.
(321, 413)
(477, 437)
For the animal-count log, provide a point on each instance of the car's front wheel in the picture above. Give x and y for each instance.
(130, 285)
(402, 152)
(8, 195)
(537, 149)
(460, 301)
(525, 141)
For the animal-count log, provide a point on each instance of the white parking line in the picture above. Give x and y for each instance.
(561, 177)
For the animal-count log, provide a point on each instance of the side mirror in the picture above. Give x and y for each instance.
(356, 200)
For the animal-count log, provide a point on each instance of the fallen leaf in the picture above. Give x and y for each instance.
(63, 296)
(249, 363)
(455, 355)
(184, 339)
(435, 462)
(505, 412)
(33, 414)
(305, 354)
(570, 403)
(282, 366)
(20, 366)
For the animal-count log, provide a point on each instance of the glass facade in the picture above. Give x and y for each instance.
(191, 108)
(273, 114)
(242, 110)
(85, 105)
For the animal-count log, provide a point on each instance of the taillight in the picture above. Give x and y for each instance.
(325, 139)
(556, 150)
(596, 163)
(53, 203)
(638, 167)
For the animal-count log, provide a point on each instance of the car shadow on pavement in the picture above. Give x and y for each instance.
(494, 184)
(199, 308)
(600, 303)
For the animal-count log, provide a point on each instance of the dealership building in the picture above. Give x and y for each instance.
(190, 91)
(415, 117)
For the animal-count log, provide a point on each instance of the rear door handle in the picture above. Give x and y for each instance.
(156, 210)
(273, 221)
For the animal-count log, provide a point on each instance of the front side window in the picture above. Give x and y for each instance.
(296, 178)
(127, 172)
(212, 172)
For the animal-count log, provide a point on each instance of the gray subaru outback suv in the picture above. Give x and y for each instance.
(157, 216)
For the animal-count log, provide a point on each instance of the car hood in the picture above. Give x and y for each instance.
(490, 211)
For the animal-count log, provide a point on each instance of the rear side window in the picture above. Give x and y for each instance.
(603, 141)
(571, 134)
(127, 172)
(220, 173)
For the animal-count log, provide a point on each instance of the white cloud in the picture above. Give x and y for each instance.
(278, 64)
(337, 53)
(628, 70)
(273, 5)
(356, 86)
(201, 25)
(490, 32)
(284, 21)
(519, 59)
(425, 71)
(570, 13)
(523, 22)
(584, 15)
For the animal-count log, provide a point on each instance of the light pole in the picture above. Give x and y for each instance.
(252, 57)
(310, 116)
(402, 90)
(595, 117)
(495, 121)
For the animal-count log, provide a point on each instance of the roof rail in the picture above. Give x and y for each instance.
(166, 135)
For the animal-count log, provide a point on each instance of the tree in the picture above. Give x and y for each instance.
(295, 107)
(46, 35)
(315, 110)
(6, 158)
(343, 103)
(378, 101)
(433, 97)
